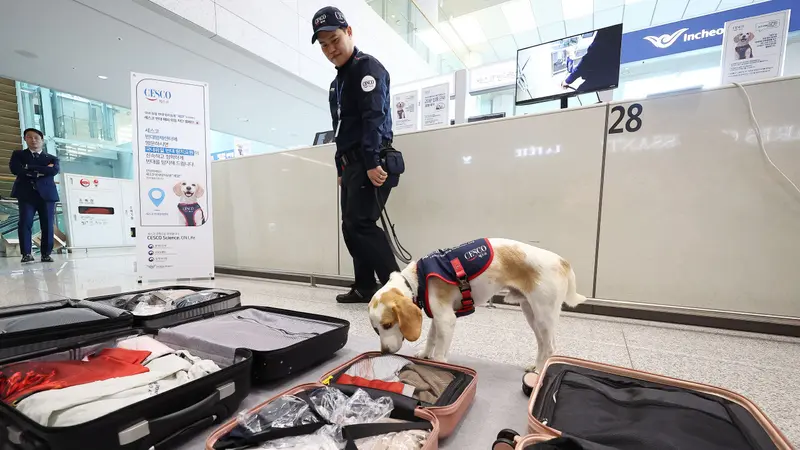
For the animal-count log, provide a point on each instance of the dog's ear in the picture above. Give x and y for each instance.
(200, 191)
(409, 318)
(177, 189)
(737, 38)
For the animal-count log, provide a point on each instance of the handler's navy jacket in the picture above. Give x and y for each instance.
(474, 256)
(361, 88)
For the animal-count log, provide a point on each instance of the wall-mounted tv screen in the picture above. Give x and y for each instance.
(577, 64)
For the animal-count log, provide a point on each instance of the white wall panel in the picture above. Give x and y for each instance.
(241, 33)
(277, 211)
(529, 178)
(693, 215)
(270, 16)
(198, 12)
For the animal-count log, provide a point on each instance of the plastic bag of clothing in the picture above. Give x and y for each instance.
(196, 298)
(285, 412)
(335, 407)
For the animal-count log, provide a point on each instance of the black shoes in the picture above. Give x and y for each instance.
(356, 295)
(29, 258)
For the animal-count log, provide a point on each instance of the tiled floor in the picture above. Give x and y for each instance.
(763, 368)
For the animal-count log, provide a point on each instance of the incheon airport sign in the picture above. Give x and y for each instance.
(694, 34)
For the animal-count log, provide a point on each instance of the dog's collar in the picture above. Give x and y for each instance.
(408, 285)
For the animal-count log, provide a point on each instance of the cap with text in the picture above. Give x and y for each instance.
(329, 18)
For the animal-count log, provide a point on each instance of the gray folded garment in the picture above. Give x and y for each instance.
(46, 319)
(247, 328)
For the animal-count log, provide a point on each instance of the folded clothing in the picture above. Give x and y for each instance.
(380, 372)
(79, 404)
(255, 329)
(429, 382)
(145, 343)
(47, 319)
(18, 381)
(396, 374)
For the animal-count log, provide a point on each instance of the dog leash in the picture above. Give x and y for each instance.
(394, 242)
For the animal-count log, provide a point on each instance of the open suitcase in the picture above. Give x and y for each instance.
(604, 407)
(161, 414)
(436, 405)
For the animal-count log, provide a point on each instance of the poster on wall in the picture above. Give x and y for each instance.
(754, 48)
(436, 106)
(100, 212)
(174, 236)
(242, 147)
(405, 111)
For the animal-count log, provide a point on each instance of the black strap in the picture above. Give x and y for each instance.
(394, 242)
(269, 435)
(351, 433)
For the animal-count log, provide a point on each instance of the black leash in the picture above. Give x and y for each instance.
(399, 251)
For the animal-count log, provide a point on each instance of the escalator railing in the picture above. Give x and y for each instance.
(9, 223)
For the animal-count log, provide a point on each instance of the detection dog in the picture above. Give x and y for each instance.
(191, 213)
(743, 48)
(540, 280)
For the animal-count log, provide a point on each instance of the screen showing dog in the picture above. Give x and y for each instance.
(583, 63)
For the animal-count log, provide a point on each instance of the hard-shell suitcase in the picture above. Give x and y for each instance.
(615, 408)
(449, 409)
(156, 422)
(444, 415)
(413, 418)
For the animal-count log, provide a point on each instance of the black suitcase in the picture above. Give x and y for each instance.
(163, 420)
(157, 422)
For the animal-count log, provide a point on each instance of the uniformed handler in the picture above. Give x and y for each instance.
(362, 123)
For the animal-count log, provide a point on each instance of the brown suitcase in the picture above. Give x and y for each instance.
(584, 392)
(443, 416)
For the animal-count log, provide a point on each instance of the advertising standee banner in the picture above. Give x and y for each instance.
(754, 48)
(174, 237)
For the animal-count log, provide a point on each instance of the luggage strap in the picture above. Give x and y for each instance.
(467, 303)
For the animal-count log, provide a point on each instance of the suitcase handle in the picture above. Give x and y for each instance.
(186, 418)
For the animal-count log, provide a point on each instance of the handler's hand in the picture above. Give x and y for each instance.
(377, 176)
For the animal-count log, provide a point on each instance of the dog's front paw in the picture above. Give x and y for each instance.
(441, 359)
(531, 369)
(423, 354)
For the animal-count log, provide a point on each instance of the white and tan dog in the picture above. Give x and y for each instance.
(539, 279)
(191, 212)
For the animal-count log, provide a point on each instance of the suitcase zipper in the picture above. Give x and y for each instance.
(548, 408)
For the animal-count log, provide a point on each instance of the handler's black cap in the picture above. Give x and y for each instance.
(329, 18)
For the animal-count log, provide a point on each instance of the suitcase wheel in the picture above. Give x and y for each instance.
(503, 444)
(507, 434)
(528, 382)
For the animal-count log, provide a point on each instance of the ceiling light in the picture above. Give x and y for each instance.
(433, 41)
(102, 77)
(574, 9)
(519, 16)
(469, 29)
(272, 129)
(244, 119)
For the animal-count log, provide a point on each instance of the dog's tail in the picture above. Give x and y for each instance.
(573, 299)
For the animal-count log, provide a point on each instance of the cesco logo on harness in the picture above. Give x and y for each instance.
(476, 253)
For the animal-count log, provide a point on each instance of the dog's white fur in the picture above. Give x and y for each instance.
(189, 193)
(538, 279)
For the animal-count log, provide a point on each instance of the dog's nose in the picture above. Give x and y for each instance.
(384, 350)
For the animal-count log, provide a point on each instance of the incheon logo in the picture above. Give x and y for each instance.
(156, 94)
(665, 40)
(84, 182)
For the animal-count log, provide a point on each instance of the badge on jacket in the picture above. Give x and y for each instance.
(368, 83)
